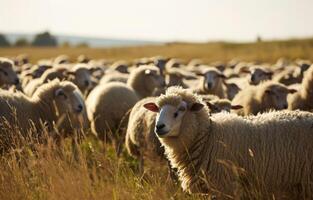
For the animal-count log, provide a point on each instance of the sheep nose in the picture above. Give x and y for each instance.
(79, 108)
(16, 81)
(86, 83)
(209, 85)
(252, 78)
(160, 126)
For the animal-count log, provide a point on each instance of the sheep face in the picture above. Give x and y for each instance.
(69, 101)
(153, 79)
(7, 74)
(276, 97)
(222, 106)
(232, 90)
(212, 79)
(258, 75)
(169, 118)
(82, 78)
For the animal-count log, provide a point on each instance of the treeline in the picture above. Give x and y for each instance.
(44, 39)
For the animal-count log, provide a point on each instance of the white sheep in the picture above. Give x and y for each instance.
(80, 75)
(140, 141)
(211, 82)
(145, 80)
(55, 105)
(8, 76)
(222, 153)
(263, 97)
(108, 107)
(303, 99)
(48, 75)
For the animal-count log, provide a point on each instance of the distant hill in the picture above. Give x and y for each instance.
(91, 41)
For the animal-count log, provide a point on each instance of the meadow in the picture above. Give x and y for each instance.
(91, 169)
(268, 51)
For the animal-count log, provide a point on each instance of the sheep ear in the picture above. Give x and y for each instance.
(291, 91)
(152, 107)
(236, 107)
(221, 76)
(211, 106)
(196, 107)
(199, 73)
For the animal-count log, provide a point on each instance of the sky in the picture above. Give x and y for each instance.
(161, 20)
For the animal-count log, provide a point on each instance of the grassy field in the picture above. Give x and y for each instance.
(93, 171)
(268, 51)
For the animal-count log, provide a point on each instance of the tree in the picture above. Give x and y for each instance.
(21, 42)
(45, 39)
(3, 41)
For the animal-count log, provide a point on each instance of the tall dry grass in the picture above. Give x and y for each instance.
(268, 51)
(90, 169)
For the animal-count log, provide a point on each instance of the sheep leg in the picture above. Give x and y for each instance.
(141, 165)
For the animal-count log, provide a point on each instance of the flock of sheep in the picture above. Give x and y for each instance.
(201, 118)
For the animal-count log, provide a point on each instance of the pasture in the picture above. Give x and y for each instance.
(82, 166)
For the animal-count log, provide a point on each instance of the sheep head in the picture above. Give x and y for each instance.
(173, 108)
(275, 96)
(259, 74)
(7, 75)
(212, 78)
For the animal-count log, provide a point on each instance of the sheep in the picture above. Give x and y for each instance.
(261, 98)
(34, 72)
(8, 76)
(54, 105)
(259, 74)
(173, 63)
(211, 82)
(140, 141)
(160, 62)
(289, 76)
(175, 76)
(80, 75)
(21, 60)
(61, 59)
(231, 89)
(119, 66)
(48, 75)
(142, 61)
(145, 80)
(215, 154)
(222, 105)
(108, 106)
(303, 99)
(83, 59)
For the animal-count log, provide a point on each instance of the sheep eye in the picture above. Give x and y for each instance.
(63, 95)
(175, 114)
